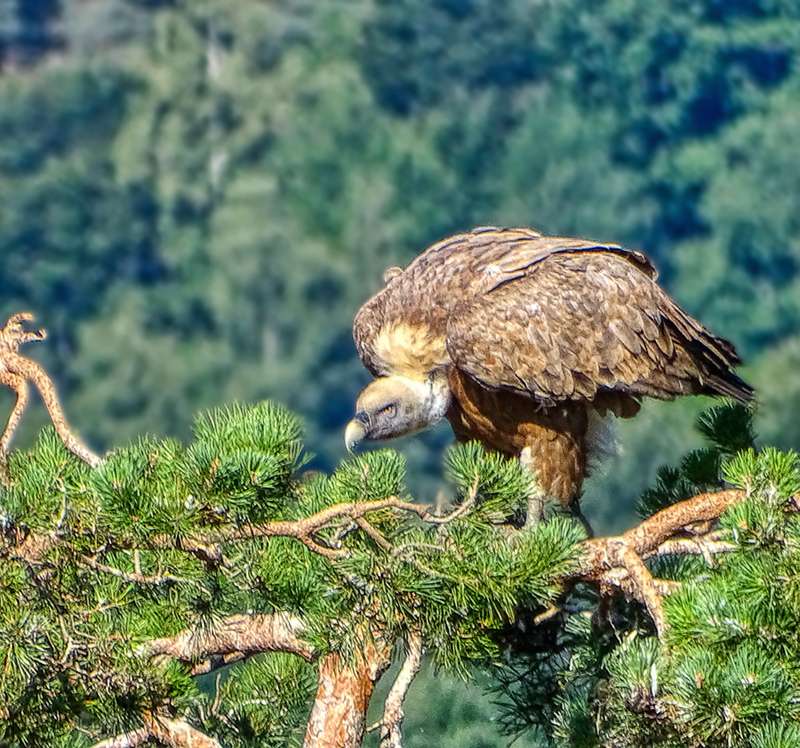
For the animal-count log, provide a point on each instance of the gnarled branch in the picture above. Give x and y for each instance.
(618, 561)
(344, 690)
(169, 732)
(243, 635)
(15, 371)
(305, 529)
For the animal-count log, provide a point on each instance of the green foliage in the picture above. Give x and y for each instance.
(729, 428)
(370, 477)
(263, 703)
(487, 582)
(725, 673)
(770, 472)
(46, 476)
(77, 609)
(727, 669)
(245, 458)
(112, 567)
(498, 485)
(544, 681)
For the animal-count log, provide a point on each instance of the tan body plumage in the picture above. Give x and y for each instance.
(517, 338)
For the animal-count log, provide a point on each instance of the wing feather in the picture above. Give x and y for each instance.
(585, 322)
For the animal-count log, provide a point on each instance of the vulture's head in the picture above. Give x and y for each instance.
(395, 406)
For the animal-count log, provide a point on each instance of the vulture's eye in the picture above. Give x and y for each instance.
(388, 410)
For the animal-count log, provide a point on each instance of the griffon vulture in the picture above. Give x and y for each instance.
(518, 339)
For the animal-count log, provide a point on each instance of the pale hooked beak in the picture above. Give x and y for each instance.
(356, 430)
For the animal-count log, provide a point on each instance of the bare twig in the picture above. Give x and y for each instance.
(464, 508)
(132, 577)
(211, 552)
(546, 615)
(216, 662)
(393, 713)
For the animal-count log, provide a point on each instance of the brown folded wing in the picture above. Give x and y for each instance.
(586, 322)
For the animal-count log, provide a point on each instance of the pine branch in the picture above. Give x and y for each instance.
(621, 578)
(173, 733)
(31, 547)
(393, 713)
(304, 529)
(646, 538)
(238, 636)
(648, 535)
(706, 546)
(15, 371)
(375, 535)
(614, 562)
(135, 577)
(617, 562)
(642, 587)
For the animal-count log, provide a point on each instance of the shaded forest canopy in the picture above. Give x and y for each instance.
(199, 195)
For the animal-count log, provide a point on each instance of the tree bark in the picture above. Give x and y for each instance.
(339, 715)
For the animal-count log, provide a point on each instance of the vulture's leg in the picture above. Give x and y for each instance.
(536, 496)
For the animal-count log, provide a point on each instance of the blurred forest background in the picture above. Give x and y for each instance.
(197, 195)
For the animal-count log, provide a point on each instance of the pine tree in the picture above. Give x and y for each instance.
(214, 594)
(718, 664)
